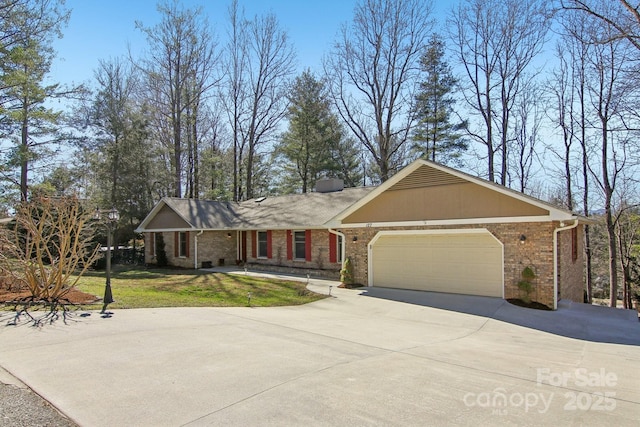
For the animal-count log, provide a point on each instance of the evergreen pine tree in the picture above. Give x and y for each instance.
(436, 137)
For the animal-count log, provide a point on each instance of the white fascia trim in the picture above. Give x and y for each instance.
(430, 232)
(466, 221)
(166, 230)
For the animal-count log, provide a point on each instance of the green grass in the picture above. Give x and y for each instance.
(141, 288)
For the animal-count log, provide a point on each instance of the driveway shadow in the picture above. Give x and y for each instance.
(572, 320)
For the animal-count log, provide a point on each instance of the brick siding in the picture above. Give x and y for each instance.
(319, 265)
(536, 251)
(571, 276)
(213, 246)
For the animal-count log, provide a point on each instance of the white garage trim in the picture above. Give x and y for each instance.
(451, 222)
(380, 234)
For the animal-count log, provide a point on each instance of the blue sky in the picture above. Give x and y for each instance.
(100, 29)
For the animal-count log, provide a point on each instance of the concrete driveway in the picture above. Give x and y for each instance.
(361, 357)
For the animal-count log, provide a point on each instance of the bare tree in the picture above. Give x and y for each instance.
(179, 70)
(609, 86)
(562, 91)
(233, 94)
(496, 42)
(628, 234)
(568, 89)
(526, 138)
(373, 71)
(270, 66)
(624, 20)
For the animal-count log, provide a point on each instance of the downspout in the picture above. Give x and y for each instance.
(343, 245)
(555, 260)
(195, 258)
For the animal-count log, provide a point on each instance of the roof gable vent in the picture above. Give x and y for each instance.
(329, 185)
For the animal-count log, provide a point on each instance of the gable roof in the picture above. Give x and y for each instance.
(184, 214)
(305, 211)
(424, 173)
(327, 210)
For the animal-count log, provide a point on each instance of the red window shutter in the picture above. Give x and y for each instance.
(307, 244)
(333, 241)
(254, 243)
(244, 246)
(269, 252)
(289, 245)
(176, 244)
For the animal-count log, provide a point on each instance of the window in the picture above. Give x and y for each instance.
(339, 248)
(300, 245)
(183, 246)
(574, 244)
(262, 244)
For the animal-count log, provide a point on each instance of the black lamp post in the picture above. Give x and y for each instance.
(112, 218)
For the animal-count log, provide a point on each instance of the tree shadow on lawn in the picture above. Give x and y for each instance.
(571, 320)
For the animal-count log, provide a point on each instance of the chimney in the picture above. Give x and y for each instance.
(329, 185)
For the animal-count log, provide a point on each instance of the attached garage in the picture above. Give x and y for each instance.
(456, 261)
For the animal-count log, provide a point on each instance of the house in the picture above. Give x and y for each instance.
(429, 227)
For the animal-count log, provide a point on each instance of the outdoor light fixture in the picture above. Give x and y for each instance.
(228, 235)
(355, 238)
(112, 217)
(523, 238)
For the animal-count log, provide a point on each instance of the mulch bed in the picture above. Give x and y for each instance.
(73, 296)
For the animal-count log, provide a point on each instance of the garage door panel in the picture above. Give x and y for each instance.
(468, 263)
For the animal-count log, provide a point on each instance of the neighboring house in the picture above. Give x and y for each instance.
(429, 227)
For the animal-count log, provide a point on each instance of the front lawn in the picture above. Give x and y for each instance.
(135, 287)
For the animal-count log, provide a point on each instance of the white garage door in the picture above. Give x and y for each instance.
(463, 263)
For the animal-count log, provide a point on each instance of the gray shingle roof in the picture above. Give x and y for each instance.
(204, 214)
(309, 210)
(305, 211)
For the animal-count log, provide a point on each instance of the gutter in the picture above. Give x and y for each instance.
(195, 257)
(555, 259)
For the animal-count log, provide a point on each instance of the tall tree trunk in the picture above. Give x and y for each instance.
(196, 158)
(611, 232)
(24, 155)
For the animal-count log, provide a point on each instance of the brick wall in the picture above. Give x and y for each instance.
(536, 252)
(216, 247)
(571, 277)
(212, 246)
(319, 254)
